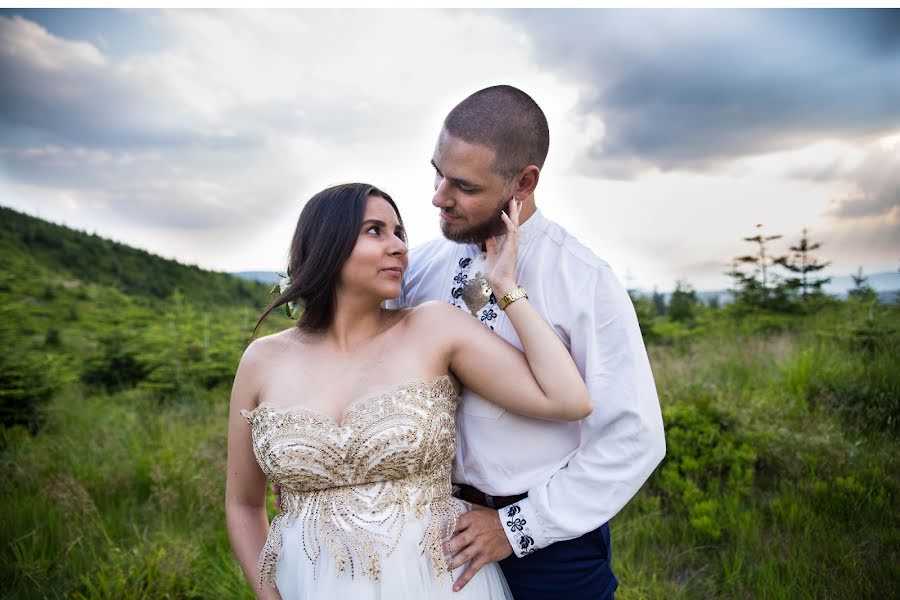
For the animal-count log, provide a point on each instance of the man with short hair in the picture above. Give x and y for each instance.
(548, 488)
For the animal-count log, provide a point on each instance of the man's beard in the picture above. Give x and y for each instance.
(475, 234)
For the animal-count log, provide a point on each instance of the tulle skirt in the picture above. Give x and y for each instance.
(406, 574)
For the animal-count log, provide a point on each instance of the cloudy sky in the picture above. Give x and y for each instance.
(198, 134)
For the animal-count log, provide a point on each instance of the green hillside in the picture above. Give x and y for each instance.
(781, 477)
(30, 246)
(81, 309)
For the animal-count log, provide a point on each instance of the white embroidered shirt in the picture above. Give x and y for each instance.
(577, 475)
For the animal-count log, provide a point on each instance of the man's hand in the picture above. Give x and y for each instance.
(478, 540)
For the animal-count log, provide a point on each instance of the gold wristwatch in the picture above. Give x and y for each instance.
(511, 297)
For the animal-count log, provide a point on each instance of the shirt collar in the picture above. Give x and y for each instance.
(533, 227)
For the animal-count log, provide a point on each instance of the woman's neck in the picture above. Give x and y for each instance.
(357, 320)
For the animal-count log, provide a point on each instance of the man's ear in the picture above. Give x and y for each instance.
(526, 181)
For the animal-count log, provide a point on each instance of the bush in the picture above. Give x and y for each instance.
(28, 377)
(707, 466)
(115, 366)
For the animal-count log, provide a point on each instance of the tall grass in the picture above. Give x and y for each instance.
(807, 417)
(118, 497)
(781, 478)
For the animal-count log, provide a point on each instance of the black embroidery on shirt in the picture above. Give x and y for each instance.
(518, 528)
(524, 543)
(488, 315)
(459, 280)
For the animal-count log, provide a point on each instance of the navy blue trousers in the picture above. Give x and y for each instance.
(576, 569)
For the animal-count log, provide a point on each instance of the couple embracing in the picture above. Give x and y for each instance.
(460, 421)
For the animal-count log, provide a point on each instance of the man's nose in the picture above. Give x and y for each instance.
(441, 198)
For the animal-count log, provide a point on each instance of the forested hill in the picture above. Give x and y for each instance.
(79, 310)
(32, 247)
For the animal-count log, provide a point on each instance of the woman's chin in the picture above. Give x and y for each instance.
(390, 293)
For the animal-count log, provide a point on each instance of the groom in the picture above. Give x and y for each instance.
(548, 489)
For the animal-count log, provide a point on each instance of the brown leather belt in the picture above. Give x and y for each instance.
(476, 496)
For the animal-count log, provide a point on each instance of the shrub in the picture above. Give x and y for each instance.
(28, 377)
(707, 466)
(115, 366)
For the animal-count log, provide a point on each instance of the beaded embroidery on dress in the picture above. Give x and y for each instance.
(365, 502)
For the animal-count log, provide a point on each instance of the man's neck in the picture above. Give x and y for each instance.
(529, 207)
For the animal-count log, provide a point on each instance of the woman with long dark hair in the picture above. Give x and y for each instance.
(352, 411)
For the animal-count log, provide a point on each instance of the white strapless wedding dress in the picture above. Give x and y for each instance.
(366, 504)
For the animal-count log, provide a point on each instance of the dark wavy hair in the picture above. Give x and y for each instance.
(326, 233)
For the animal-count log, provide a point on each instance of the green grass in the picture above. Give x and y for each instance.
(773, 486)
(808, 419)
(118, 497)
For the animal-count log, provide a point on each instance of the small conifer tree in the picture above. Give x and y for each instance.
(659, 302)
(682, 303)
(754, 287)
(861, 289)
(803, 265)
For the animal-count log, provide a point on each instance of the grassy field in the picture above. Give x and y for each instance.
(781, 478)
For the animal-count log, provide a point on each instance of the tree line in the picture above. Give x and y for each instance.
(762, 280)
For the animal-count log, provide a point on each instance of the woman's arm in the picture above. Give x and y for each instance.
(245, 483)
(544, 381)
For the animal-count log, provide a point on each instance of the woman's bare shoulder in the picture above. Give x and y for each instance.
(266, 349)
(435, 312)
(436, 317)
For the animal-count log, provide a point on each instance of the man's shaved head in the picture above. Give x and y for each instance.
(507, 121)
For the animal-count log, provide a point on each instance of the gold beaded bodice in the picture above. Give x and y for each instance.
(352, 485)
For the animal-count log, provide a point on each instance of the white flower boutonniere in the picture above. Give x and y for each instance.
(282, 283)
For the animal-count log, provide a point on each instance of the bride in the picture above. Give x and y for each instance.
(352, 411)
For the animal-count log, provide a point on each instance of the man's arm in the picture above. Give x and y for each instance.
(622, 442)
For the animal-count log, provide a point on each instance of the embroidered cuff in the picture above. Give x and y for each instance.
(521, 528)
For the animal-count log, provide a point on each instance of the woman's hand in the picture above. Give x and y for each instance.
(500, 264)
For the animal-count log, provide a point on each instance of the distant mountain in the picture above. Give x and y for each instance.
(29, 246)
(887, 281)
(886, 284)
(268, 277)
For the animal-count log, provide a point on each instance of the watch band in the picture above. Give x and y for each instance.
(511, 297)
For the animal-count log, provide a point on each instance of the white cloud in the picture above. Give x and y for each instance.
(205, 150)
